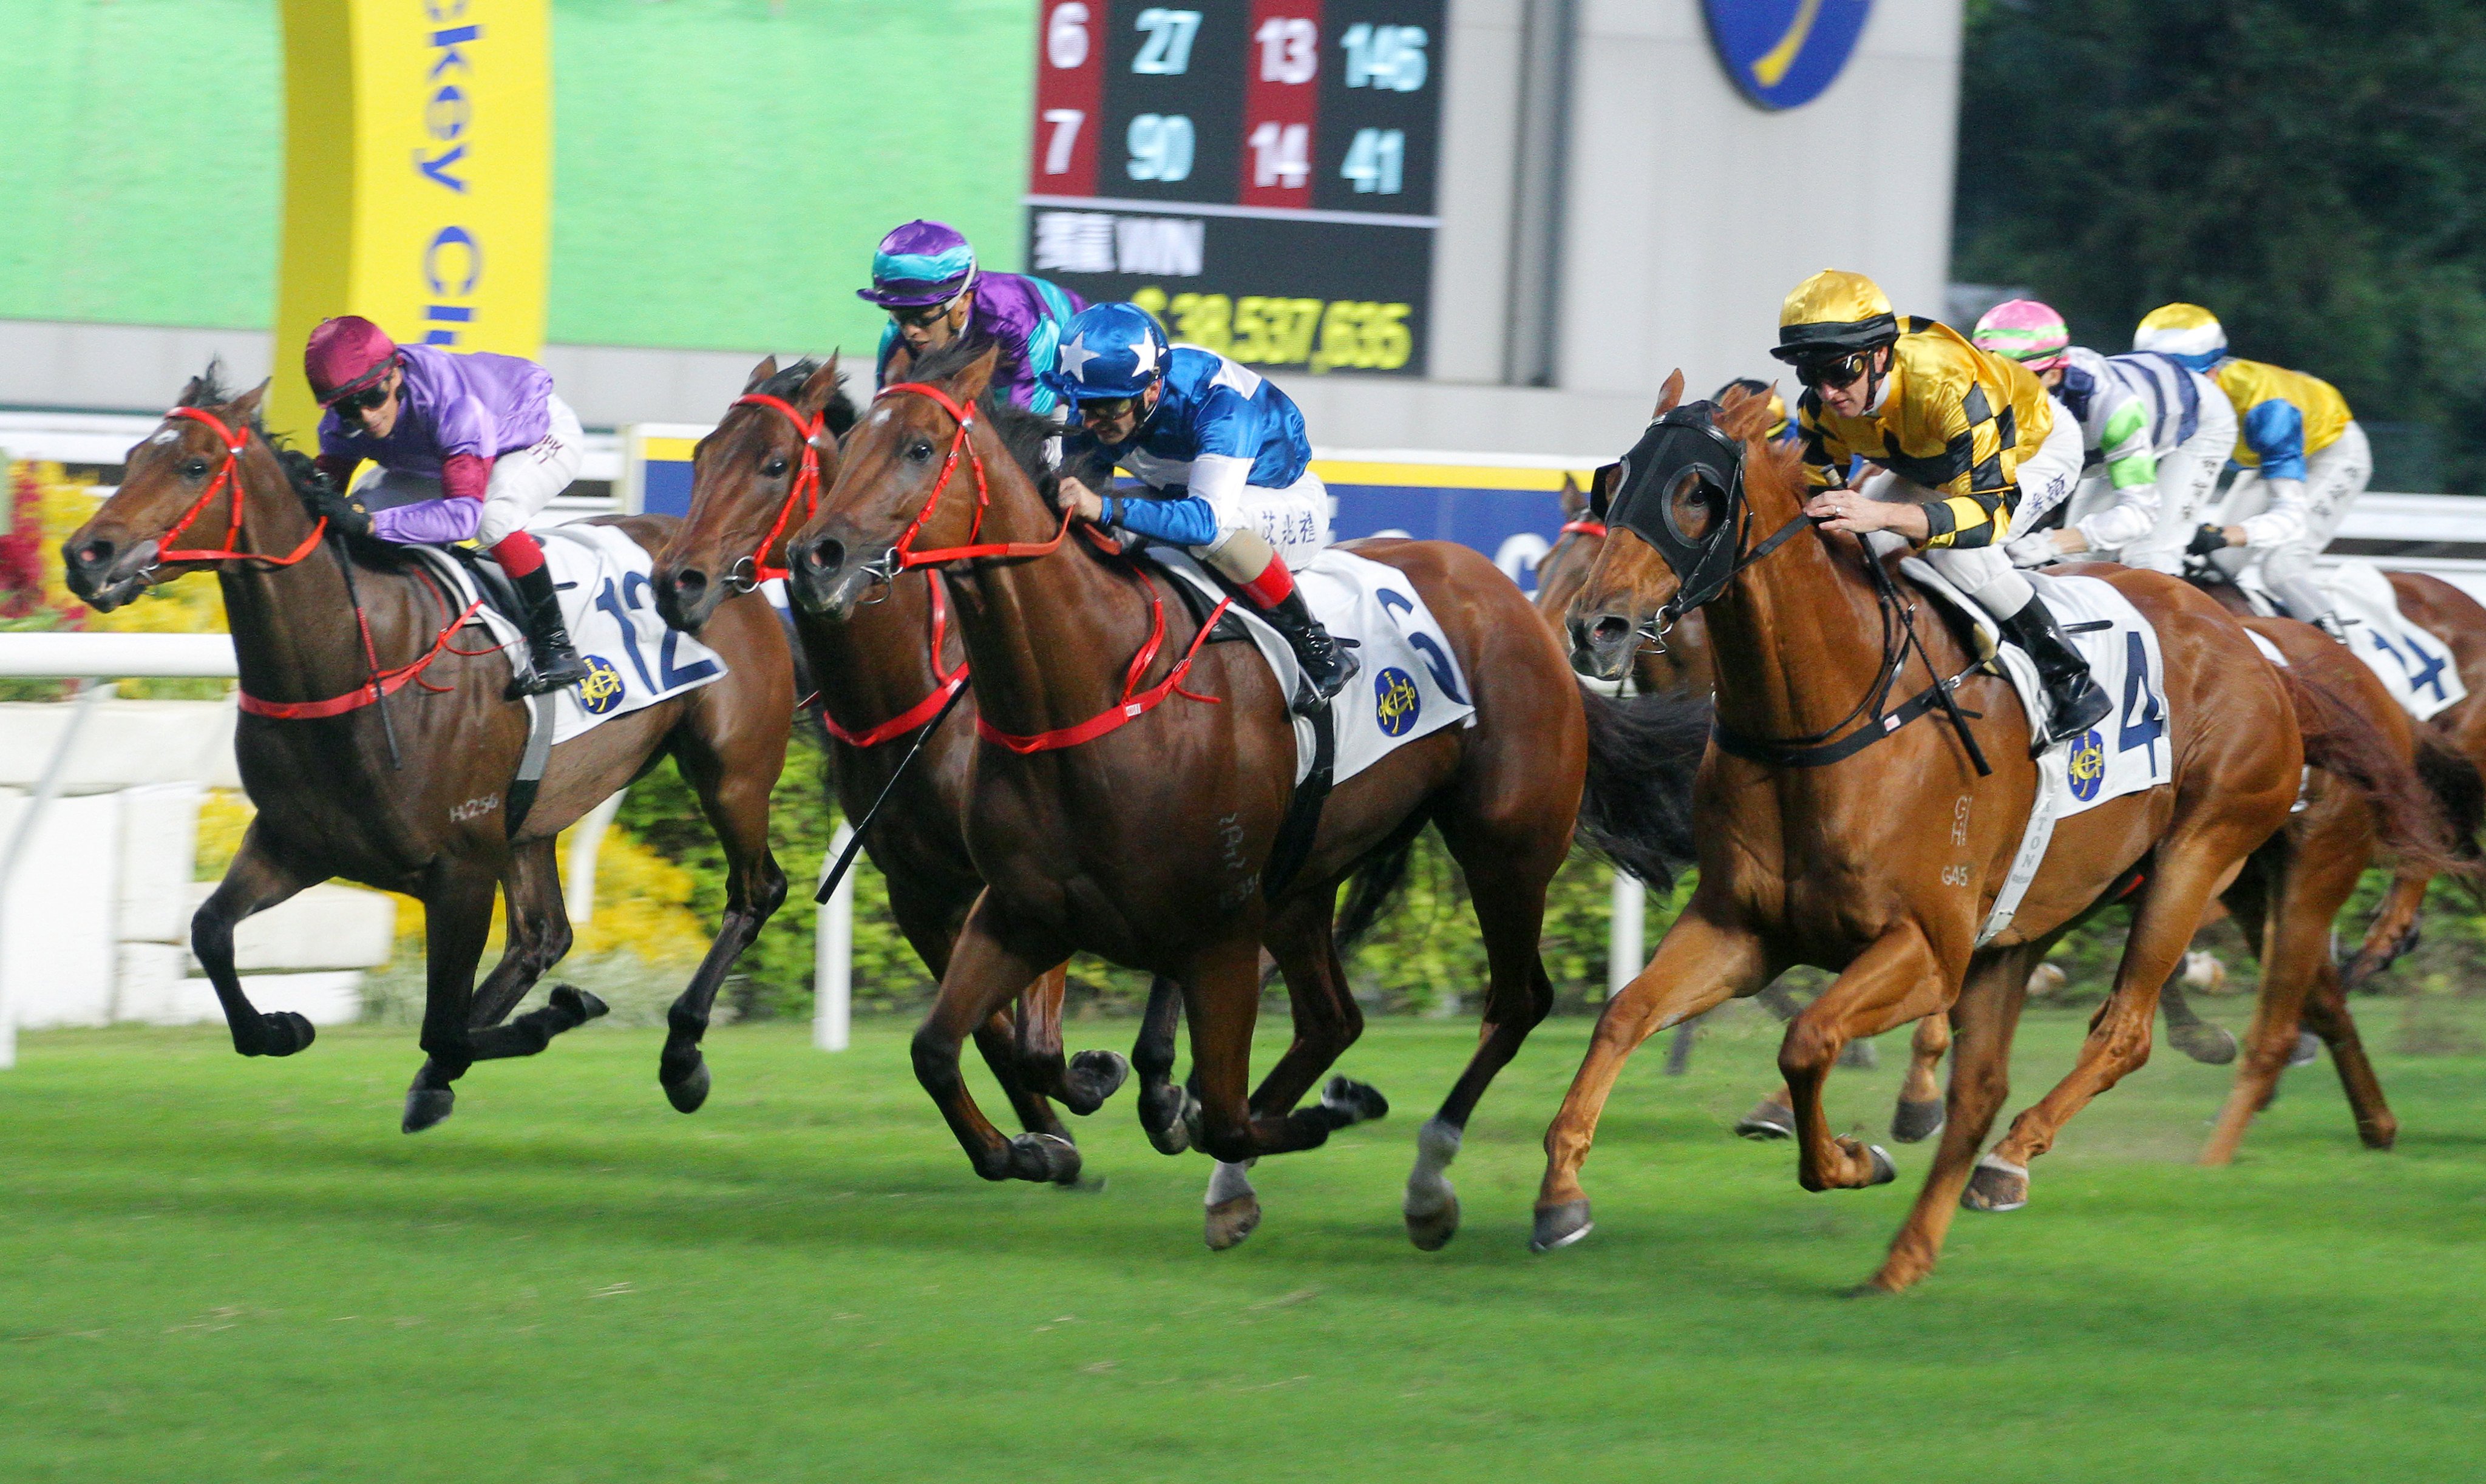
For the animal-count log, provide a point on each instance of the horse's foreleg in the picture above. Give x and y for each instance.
(2325, 1015)
(458, 918)
(1165, 1108)
(1699, 964)
(1222, 1001)
(985, 971)
(1895, 980)
(1084, 1082)
(256, 881)
(1918, 1114)
(2392, 931)
(734, 794)
(1981, 1025)
(2191, 872)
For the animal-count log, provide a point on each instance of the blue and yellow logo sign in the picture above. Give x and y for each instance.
(1783, 53)
(1396, 701)
(601, 691)
(2087, 765)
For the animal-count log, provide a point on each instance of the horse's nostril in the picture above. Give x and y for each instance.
(690, 582)
(1610, 629)
(824, 556)
(95, 553)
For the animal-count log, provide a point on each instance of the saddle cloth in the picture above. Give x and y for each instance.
(1410, 686)
(609, 604)
(2416, 667)
(2124, 754)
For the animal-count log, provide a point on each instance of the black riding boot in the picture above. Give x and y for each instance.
(1327, 664)
(556, 663)
(2074, 699)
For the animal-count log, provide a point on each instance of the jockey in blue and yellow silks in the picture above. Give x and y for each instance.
(1967, 439)
(2304, 459)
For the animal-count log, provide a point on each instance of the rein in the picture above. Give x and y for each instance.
(946, 685)
(228, 478)
(806, 490)
(382, 683)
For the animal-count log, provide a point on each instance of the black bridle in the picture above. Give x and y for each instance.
(1685, 462)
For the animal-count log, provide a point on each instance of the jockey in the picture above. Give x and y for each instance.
(1221, 454)
(1782, 428)
(468, 447)
(2155, 434)
(925, 275)
(1968, 439)
(2304, 459)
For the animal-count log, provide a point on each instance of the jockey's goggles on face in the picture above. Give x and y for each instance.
(354, 405)
(1837, 373)
(925, 316)
(1108, 410)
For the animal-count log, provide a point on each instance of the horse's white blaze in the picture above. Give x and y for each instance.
(1428, 1189)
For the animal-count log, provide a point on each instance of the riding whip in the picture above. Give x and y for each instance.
(380, 693)
(846, 860)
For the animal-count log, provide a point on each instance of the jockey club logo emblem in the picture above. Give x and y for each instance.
(1396, 701)
(601, 691)
(1783, 53)
(2087, 766)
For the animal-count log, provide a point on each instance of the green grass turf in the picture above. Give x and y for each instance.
(218, 1270)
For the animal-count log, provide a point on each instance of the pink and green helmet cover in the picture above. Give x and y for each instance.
(2025, 331)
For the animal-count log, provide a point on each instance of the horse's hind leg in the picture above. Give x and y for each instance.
(1921, 1110)
(256, 881)
(734, 794)
(1084, 1082)
(1982, 1023)
(538, 937)
(2392, 932)
(2325, 1015)
(1166, 1107)
(2313, 877)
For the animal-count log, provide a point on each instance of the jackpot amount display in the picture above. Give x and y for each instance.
(1257, 172)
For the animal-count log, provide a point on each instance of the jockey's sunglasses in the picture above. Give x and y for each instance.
(1107, 409)
(1835, 373)
(921, 315)
(354, 405)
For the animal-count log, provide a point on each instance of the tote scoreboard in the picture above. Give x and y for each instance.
(1258, 174)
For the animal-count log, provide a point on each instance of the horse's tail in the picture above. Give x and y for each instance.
(1643, 752)
(2460, 795)
(1375, 884)
(2410, 818)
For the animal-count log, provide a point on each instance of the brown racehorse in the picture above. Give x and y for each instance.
(1144, 840)
(331, 802)
(1879, 859)
(881, 681)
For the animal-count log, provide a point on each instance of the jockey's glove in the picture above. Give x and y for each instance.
(2207, 540)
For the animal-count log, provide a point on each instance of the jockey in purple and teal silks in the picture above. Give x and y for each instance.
(925, 275)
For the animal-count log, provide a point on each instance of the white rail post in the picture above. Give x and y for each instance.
(1623, 954)
(578, 889)
(832, 956)
(22, 838)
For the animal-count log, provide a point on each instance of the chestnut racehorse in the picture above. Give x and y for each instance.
(1129, 780)
(332, 802)
(1860, 837)
(883, 677)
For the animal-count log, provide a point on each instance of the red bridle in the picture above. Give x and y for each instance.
(228, 478)
(908, 557)
(1595, 528)
(805, 489)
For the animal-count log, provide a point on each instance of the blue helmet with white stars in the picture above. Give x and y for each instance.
(1108, 350)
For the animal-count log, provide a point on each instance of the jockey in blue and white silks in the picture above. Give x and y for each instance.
(1223, 458)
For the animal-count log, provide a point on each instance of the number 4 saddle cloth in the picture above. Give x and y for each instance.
(1410, 685)
(610, 606)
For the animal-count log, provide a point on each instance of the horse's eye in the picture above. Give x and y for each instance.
(195, 468)
(773, 468)
(920, 451)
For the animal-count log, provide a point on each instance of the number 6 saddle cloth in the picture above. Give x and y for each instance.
(2125, 754)
(610, 607)
(1410, 685)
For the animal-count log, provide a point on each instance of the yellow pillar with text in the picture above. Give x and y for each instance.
(418, 178)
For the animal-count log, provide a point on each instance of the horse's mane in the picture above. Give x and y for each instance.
(840, 412)
(1026, 434)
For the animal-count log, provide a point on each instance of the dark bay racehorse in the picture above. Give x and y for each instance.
(883, 675)
(1880, 860)
(1129, 781)
(332, 802)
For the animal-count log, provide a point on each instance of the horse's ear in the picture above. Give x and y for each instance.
(1574, 498)
(1669, 395)
(759, 374)
(969, 380)
(1743, 414)
(190, 389)
(246, 407)
(822, 385)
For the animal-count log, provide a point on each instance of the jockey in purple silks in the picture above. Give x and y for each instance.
(468, 447)
(925, 275)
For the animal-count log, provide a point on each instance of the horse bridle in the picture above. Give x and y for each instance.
(749, 572)
(901, 556)
(228, 478)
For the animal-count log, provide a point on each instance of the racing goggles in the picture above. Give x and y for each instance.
(921, 315)
(352, 405)
(1834, 372)
(1107, 409)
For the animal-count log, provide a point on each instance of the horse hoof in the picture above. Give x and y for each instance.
(573, 1000)
(688, 1091)
(1044, 1158)
(1559, 1226)
(2205, 1043)
(1768, 1119)
(1884, 1172)
(283, 1032)
(1095, 1076)
(1996, 1185)
(1354, 1101)
(426, 1107)
(1432, 1230)
(2308, 1047)
(1230, 1222)
(1161, 1119)
(1916, 1122)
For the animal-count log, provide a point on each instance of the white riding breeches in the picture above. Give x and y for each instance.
(2048, 476)
(2188, 476)
(1982, 572)
(2288, 530)
(523, 480)
(1293, 520)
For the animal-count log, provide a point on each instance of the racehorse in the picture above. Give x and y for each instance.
(1863, 836)
(380, 750)
(1680, 664)
(1130, 779)
(883, 675)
